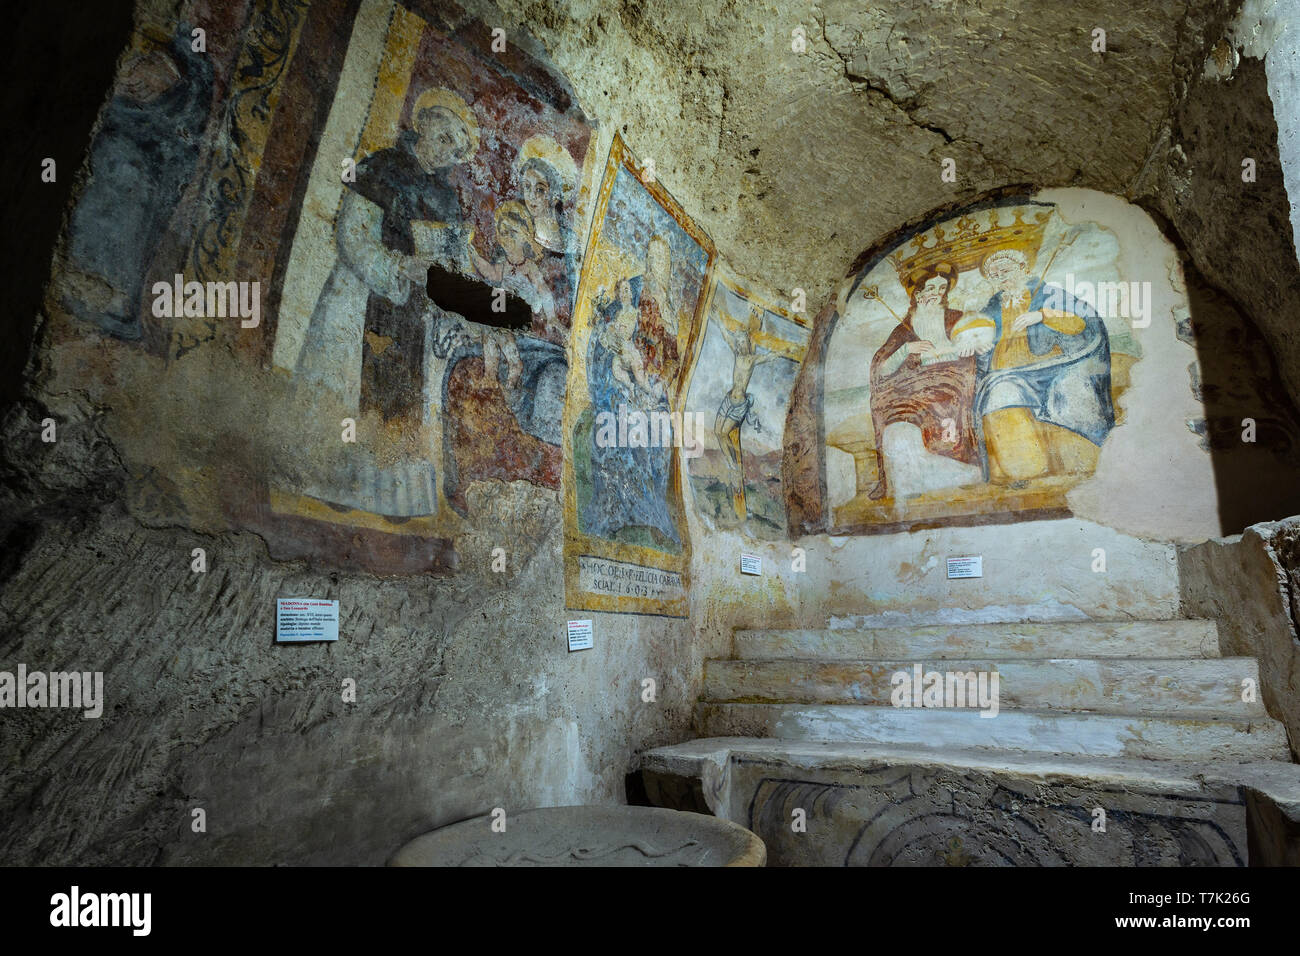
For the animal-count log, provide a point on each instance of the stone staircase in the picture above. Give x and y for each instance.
(1112, 743)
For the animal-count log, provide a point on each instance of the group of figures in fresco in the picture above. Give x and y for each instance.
(401, 215)
(1020, 388)
(470, 165)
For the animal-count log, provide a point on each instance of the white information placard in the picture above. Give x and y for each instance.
(971, 567)
(580, 636)
(751, 564)
(306, 619)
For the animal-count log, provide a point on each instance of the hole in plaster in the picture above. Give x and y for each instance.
(473, 300)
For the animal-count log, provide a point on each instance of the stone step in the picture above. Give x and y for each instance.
(877, 805)
(1057, 639)
(1100, 735)
(1190, 688)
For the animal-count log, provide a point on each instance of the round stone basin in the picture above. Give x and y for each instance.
(588, 836)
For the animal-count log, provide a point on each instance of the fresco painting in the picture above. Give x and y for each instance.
(636, 326)
(412, 153)
(992, 385)
(742, 381)
(464, 165)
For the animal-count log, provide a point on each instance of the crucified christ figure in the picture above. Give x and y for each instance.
(734, 410)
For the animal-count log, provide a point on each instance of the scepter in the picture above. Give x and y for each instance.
(873, 292)
(1071, 234)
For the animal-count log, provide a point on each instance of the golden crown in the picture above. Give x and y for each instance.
(965, 245)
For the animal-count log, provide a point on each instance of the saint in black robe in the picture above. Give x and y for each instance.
(392, 375)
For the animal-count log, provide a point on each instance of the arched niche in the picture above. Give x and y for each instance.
(1023, 356)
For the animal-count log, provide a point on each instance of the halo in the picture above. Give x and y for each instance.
(554, 155)
(447, 100)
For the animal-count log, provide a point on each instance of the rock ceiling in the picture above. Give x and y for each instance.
(794, 162)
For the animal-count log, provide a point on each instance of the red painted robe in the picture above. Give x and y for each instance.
(658, 345)
(924, 395)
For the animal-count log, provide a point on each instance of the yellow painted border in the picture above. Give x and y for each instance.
(285, 502)
(577, 543)
(405, 31)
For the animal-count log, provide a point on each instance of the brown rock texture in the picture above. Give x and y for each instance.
(793, 162)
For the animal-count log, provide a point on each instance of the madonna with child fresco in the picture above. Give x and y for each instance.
(633, 364)
(505, 391)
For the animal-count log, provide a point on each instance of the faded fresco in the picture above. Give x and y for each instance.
(996, 369)
(741, 385)
(636, 326)
(455, 162)
(348, 182)
(146, 152)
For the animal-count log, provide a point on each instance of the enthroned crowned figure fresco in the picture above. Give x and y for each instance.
(991, 386)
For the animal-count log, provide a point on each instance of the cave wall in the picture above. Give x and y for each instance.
(1175, 467)
(1232, 103)
(1248, 582)
(446, 530)
(722, 97)
(170, 472)
(344, 429)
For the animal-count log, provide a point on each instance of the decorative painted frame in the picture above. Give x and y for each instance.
(785, 348)
(623, 568)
